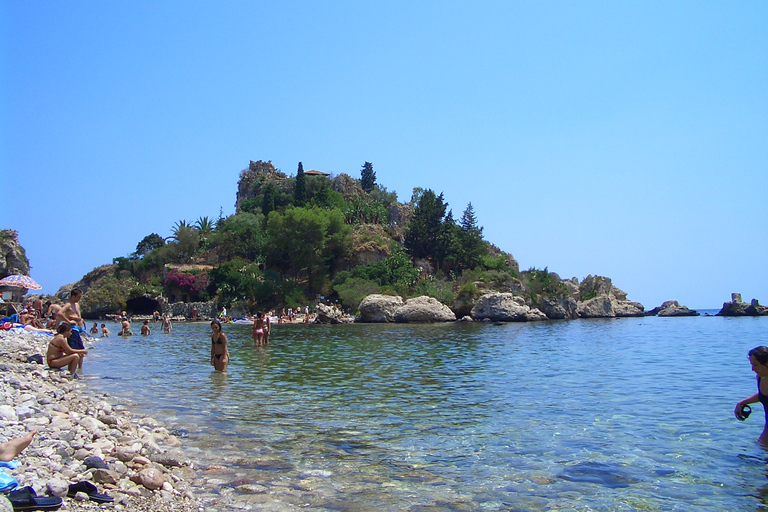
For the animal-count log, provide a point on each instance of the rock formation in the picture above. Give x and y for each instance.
(738, 308)
(672, 308)
(600, 299)
(378, 308)
(424, 310)
(505, 307)
(328, 315)
(13, 259)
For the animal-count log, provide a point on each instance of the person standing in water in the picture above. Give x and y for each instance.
(219, 352)
(758, 358)
(258, 329)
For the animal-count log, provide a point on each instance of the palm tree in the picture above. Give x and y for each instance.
(179, 226)
(204, 225)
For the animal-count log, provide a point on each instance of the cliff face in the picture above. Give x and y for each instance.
(13, 259)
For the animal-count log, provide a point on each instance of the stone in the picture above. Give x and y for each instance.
(328, 314)
(672, 308)
(57, 487)
(424, 310)
(106, 476)
(170, 458)
(738, 308)
(8, 413)
(151, 478)
(561, 308)
(504, 307)
(378, 308)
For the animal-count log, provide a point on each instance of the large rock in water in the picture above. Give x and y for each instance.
(378, 308)
(505, 307)
(672, 308)
(605, 306)
(738, 308)
(424, 310)
(327, 314)
(605, 300)
(560, 308)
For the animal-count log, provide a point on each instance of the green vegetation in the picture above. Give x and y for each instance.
(293, 239)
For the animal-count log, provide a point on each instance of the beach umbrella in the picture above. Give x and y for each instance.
(20, 281)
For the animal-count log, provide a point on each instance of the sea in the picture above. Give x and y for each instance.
(584, 415)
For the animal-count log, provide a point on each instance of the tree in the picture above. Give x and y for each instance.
(240, 235)
(306, 240)
(300, 189)
(367, 177)
(473, 247)
(148, 244)
(204, 225)
(177, 227)
(268, 201)
(424, 234)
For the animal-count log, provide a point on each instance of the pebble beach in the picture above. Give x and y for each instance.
(146, 469)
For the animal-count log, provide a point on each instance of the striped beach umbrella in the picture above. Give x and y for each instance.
(20, 281)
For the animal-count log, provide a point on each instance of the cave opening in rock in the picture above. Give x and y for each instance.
(142, 306)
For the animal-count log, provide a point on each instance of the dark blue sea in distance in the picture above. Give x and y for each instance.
(621, 414)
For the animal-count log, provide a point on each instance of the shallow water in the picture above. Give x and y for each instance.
(627, 414)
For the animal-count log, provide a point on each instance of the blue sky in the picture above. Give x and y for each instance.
(625, 139)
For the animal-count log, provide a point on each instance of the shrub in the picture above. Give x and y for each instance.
(353, 290)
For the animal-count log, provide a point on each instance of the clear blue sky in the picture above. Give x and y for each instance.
(625, 139)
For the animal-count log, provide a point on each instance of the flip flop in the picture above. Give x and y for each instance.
(89, 489)
(26, 499)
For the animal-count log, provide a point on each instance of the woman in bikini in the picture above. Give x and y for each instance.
(219, 352)
(258, 329)
(60, 354)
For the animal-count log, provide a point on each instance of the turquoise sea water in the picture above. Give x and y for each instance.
(625, 414)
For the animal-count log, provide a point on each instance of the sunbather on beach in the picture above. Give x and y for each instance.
(10, 449)
(60, 354)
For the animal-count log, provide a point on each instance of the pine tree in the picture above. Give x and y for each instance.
(300, 190)
(367, 177)
(473, 247)
(424, 237)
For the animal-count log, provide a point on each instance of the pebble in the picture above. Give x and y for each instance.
(74, 427)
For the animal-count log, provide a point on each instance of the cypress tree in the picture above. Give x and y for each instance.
(300, 190)
(367, 177)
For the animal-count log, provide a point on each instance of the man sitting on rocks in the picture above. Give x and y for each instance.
(60, 354)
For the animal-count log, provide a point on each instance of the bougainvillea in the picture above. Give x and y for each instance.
(191, 282)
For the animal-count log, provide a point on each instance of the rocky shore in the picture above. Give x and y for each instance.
(84, 437)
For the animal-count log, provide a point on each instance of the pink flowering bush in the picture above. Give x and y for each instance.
(191, 282)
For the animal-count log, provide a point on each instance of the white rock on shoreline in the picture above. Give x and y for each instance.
(145, 470)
